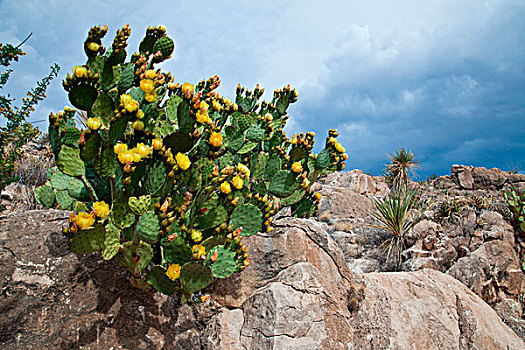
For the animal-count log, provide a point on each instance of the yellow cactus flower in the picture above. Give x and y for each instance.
(173, 272)
(138, 125)
(305, 183)
(157, 144)
(243, 169)
(120, 147)
(136, 155)
(101, 209)
(268, 117)
(147, 85)
(142, 149)
(84, 220)
(125, 99)
(216, 139)
(172, 86)
(203, 106)
(331, 140)
(126, 156)
(132, 106)
(182, 161)
(188, 89)
(237, 182)
(339, 148)
(297, 167)
(150, 74)
(198, 251)
(196, 235)
(345, 156)
(216, 105)
(93, 46)
(80, 71)
(317, 196)
(139, 114)
(225, 188)
(202, 117)
(150, 96)
(94, 123)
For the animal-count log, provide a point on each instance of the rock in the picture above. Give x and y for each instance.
(426, 310)
(341, 203)
(463, 175)
(492, 267)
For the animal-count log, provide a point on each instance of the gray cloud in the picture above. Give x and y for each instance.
(444, 79)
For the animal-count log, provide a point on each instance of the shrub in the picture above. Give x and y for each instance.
(17, 131)
(402, 163)
(168, 178)
(392, 214)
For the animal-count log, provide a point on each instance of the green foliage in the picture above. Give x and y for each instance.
(175, 173)
(402, 164)
(392, 214)
(17, 131)
(516, 201)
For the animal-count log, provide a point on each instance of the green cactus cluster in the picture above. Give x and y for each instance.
(516, 201)
(168, 178)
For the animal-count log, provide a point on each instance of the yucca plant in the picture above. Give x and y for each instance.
(392, 214)
(402, 164)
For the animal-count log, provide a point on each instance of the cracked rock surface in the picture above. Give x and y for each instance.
(298, 293)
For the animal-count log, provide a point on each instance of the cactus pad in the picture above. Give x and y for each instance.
(225, 265)
(71, 136)
(104, 108)
(165, 45)
(77, 190)
(194, 277)
(176, 252)
(45, 195)
(156, 177)
(297, 154)
(59, 180)
(69, 161)
(64, 200)
(139, 205)
(148, 227)
(83, 96)
(128, 75)
(179, 142)
(160, 281)
(135, 257)
(248, 217)
(120, 214)
(87, 241)
(256, 133)
(111, 242)
(106, 164)
(91, 147)
(272, 167)
(283, 184)
(293, 198)
(214, 215)
(323, 159)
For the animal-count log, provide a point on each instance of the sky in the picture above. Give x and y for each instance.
(444, 79)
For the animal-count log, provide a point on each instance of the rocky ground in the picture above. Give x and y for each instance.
(463, 229)
(320, 283)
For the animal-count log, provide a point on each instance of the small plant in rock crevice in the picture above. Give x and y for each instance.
(392, 214)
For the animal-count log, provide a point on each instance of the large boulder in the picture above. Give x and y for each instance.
(426, 310)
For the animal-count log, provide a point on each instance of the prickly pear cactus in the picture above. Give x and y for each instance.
(167, 178)
(516, 201)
